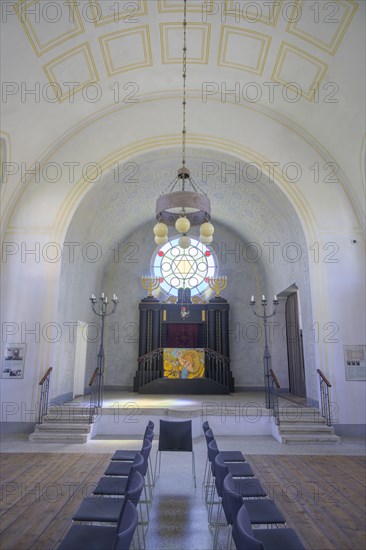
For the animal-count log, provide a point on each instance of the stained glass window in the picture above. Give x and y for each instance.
(183, 267)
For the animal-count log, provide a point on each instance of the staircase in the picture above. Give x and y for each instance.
(63, 424)
(304, 425)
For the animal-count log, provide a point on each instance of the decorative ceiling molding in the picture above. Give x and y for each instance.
(110, 11)
(198, 36)
(43, 37)
(74, 66)
(296, 69)
(319, 20)
(126, 50)
(252, 12)
(193, 6)
(243, 49)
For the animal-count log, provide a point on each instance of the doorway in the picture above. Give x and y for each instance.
(295, 349)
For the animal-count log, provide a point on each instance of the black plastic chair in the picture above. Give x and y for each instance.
(237, 469)
(128, 454)
(116, 486)
(97, 537)
(99, 509)
(229, 456)
(104, 509)
(246, 487)
(262, 539)
(261, 511)
(121, 468)
(175, 436)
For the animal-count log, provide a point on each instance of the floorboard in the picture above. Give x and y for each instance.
(322, 497)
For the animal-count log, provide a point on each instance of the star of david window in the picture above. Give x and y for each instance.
(183, 267)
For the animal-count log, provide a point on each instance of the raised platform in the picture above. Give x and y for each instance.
(198, 386)
(127, 413)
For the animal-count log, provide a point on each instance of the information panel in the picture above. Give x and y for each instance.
(354, 357)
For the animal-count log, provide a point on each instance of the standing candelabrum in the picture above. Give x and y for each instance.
(266, 355)
(102, 313)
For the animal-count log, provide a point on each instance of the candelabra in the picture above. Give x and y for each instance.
(218, 284)
(150, 284)
(102, 313)
(266, 355)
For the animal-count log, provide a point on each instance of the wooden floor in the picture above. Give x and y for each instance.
(323, 498)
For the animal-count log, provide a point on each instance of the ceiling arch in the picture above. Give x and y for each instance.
(79, 59)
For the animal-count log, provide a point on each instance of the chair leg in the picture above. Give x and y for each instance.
(151, 476)
(217, 526)
(147, 504)
(194, 470)
(141, 524)
(211, 503)
(205, 474)
(229, 538)
(158, 455)
(148, 486)
(208, 484)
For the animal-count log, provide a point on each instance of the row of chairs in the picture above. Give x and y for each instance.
(244, 502)
(116, 503)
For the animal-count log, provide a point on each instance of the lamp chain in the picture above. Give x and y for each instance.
(184, 84)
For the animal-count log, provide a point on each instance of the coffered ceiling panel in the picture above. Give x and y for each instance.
(74, 66)
(243, 49)
(126, 50)
(252, 12)
(322, 23)
(64, 23)
(300, 68)
(193, 6)
(198, 37)
(104, 12)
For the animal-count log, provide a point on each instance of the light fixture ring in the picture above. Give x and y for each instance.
(197, 207)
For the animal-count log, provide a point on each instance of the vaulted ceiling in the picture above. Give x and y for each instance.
(274, 77)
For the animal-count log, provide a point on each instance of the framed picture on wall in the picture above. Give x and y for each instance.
(13, 361)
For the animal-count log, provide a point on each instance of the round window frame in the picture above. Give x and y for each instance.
(198, 290)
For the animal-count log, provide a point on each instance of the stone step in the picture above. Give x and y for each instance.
(79, 419)
(310, 438)
(58, 427)
(44, 437)
(300, 416)
(305, 428)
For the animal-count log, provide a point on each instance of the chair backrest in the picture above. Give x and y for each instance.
(231, 500)
(137, 465)
(135, 488)
(149, 434)
(243, 533)
(145, 451)
(212, 450)
(205, 426)
(221, 471)
(148, 431)
(175, 435)
(127, 524)
(209, 436)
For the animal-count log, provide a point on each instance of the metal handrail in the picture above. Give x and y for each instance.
(275, 385)
(45, 389)
(324, 397)
(93, 384)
